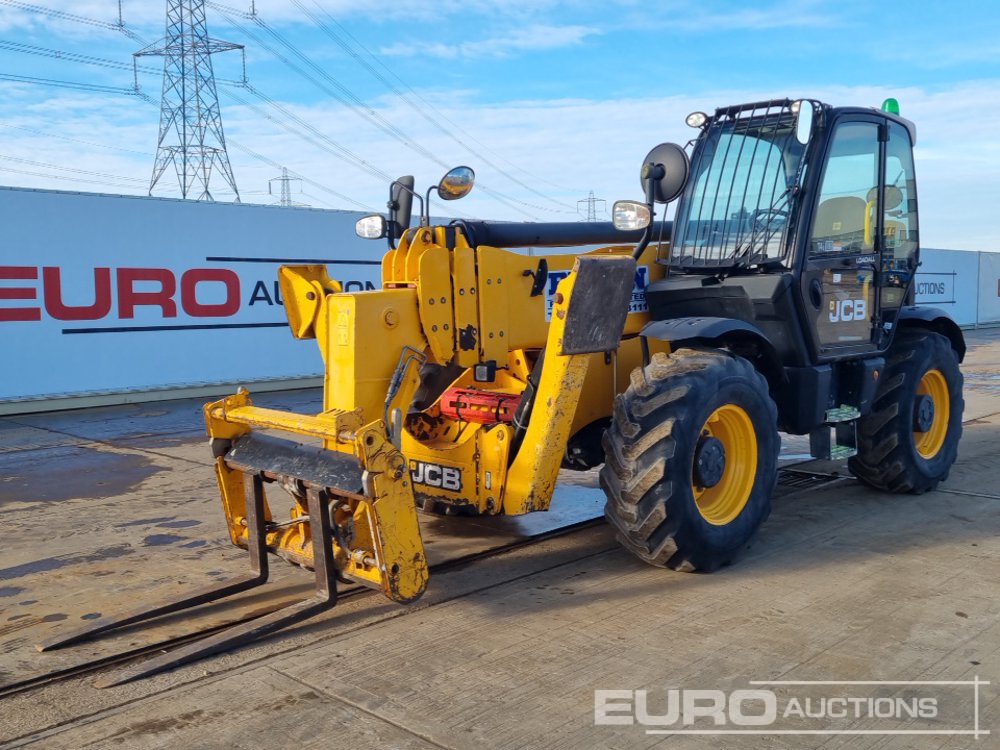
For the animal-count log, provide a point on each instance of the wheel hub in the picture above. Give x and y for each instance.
(709, 461)
(923, 413)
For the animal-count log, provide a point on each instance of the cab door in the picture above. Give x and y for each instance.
(838, 281)
(900, 240)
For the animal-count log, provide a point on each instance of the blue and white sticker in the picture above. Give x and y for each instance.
(637, 302)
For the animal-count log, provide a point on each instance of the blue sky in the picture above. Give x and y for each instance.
(546, 100)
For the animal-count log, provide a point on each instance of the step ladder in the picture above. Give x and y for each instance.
(837, 437)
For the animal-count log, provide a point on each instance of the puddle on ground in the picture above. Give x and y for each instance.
(179, 524)
(70, 472)
(54, 563)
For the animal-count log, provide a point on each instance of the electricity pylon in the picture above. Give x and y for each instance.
(191, 136)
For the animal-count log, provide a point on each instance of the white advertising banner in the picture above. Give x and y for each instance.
(947, 279)
(104, 294)
(989, 287)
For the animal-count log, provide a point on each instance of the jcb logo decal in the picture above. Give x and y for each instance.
(842, 310)
(435, 475)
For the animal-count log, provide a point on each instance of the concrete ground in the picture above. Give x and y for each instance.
(105, 508)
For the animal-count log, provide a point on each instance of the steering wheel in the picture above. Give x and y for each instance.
(763, 218)
(896, 278)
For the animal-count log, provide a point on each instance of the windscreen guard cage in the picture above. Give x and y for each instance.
(737, 208)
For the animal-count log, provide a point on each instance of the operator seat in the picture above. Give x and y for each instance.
(894, 230)
(839, 222)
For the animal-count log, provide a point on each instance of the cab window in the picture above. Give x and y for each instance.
(849, 184)
(900, 203)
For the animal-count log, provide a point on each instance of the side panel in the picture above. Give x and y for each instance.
(365, 335)
(517, 320)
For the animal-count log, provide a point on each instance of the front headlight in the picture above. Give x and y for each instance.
(370, 227)
(629, 216)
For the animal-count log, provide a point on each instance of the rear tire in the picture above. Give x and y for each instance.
(663, 454)
(896, 451)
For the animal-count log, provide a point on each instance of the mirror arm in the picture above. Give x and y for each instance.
(425, 218)
(652, 173)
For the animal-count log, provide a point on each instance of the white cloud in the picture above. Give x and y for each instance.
(562, 148)
(537, 37)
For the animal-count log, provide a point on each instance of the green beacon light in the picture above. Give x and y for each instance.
(891, 106)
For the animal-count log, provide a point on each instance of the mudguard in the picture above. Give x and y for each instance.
(934, 319)
(680, 331)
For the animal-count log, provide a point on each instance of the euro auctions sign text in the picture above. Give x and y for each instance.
(112, 295)
(199, 293)
(117, 293)
(790, 707)
(74, 329)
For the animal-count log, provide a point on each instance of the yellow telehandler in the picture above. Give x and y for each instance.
(779, 298)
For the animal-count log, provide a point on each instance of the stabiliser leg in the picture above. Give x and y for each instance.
(324, 599)
(258, 575)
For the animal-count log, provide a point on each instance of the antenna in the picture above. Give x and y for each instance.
(191, 136)
(592, 207)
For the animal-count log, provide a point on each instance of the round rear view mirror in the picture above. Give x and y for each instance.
(667, 166)
(457, 183)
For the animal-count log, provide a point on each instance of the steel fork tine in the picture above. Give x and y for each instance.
(258, 568)
(324, 599)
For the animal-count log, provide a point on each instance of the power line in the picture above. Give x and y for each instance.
(108, 180)
(44, 134)
(316, 200)
(345, 95)
(32, 163)
(320, 141)
(406, 97)
(271, 163)
(77, 85)
(341, 93)
(329, 84)
(56, 54)
(49, 176)
(331, 146)
(149, 100)
(63, 16)
(325, 142)
(102, 62)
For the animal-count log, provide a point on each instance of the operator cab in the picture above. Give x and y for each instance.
(800, 219)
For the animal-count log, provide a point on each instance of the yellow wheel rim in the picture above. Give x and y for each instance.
(933, 385)
(732, 426)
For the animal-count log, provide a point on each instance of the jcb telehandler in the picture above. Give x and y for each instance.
(779, 298)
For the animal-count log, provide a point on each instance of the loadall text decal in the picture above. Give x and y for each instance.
(435, 475)
(636, 304)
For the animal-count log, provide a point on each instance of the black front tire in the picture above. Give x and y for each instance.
(893, 454)
(659, 425)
